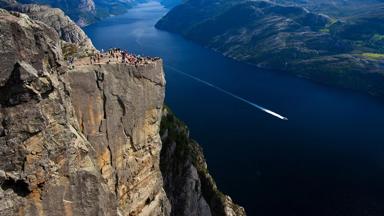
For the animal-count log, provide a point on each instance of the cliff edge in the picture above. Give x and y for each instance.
(189, 186)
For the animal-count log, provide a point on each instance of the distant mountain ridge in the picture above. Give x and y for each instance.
(334, 7)
(337, 49)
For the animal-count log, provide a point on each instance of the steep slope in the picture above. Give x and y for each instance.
(189, 186)
(170, 3)
(82, 12)
(338, 8)
(345, 52)
(86, 11)
(55, 18)
(81, 139)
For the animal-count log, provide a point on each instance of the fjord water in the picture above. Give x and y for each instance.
(327, 159)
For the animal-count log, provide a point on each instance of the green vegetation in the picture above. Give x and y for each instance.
(377, 37)
(328, 26)
(374, 56)
(175, 132)
(325, 30)
(69, 50)
(76, 51)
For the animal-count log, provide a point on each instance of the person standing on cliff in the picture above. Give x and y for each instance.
(71, 61)
(123, 56)
(114, 55)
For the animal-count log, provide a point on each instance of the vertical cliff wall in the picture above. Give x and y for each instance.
(118, 107)
(190, 188)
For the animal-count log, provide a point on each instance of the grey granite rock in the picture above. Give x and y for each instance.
(118, 107)
(67, 29)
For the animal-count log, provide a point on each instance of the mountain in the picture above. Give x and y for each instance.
(170, 3)
(68, 31)
(91, 139)
(83, 12)
(337, 8)
(340, 50)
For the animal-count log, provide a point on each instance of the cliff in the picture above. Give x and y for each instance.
(83, 139)
(84, 12)
(190, 188)
(118, 108)
(68, 31)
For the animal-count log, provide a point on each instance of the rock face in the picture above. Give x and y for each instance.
(119, 110)
(55, 18)
(84, 12)
(81, 11)
(187, 182)
(85, 140)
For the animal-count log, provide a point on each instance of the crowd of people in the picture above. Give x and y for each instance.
(116, 55)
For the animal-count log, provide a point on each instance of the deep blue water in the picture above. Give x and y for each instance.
(328, 159)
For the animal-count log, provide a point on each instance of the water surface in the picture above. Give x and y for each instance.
(328, 159)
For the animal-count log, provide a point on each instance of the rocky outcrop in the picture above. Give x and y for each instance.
(187, 182)
(84, 12)
(68, 30)
(55, 18)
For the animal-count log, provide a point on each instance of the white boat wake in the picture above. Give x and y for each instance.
(228, 93)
